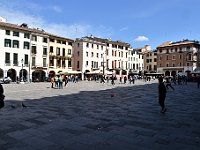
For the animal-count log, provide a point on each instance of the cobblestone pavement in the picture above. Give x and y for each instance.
(84, 116)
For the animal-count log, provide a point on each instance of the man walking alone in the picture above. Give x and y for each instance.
(162, 94)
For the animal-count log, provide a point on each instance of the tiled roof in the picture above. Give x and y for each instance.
(27, 29)
(184, 42)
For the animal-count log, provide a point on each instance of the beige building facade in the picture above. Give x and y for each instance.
(60, 55)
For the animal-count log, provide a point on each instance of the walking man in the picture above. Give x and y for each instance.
(162, 94)
(2, 96)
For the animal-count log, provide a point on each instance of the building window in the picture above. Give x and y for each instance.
(70, 43)
(173, 65)
(27, 35)
(51, 49)
(26, 45)
(15, 59)
(167, 57)
(87, 45)
(33, 61)
(97, 55)
(15, 33)
(69, 63)
(77, 64)
(57, 51)
(92, 45)
(59, 41)
(26, 59)
(78, 44)
(52, 40)
(44, 40)
(7, 43)
(44, 62)
(160, 57)
(188, 64)
(97, 46)
(78, 53)
(15, 44)
(92, 54)
(64, 42)
(33, 50)
(69, 51)
(155, 67)
(44, 51)
(63, 51)
(7, 32)
(7, 58)
(34, 38)
(180, 56)
(86, 63)
(173, 57)
(167, 65)
(86, 54)
(155, 60)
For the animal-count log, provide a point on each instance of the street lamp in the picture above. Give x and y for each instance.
(22, 61)
(103, 65)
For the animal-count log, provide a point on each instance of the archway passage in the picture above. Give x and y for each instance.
(1, 73)
(167, 73)
(38, 76)
(124, 72)
(173, 73)
(24, 76)
(12, 74)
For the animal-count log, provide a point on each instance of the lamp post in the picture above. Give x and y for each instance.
(103, 66)
(22, 61)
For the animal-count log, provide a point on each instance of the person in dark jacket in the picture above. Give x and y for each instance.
(162, 94)
(1, 96)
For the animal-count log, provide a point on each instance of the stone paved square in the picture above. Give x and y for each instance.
(84, 116)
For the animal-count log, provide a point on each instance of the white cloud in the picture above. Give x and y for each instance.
(141, 38)
(60, 29)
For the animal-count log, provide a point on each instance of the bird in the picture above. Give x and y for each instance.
(24, 106)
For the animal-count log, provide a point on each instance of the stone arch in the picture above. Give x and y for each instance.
(24, 75)
(12, 74)
(167, 73)
(38, 76)
(173, 73)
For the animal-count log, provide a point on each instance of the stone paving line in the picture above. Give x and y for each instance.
(84, 116)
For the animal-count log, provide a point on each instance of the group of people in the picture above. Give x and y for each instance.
(62, 80)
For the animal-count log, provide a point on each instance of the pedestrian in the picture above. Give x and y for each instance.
(120, 80)
(2, 96)
(198, 81)
(162, 94)
(112, 80)
(125, 79)
(168, 84)
(52, 82)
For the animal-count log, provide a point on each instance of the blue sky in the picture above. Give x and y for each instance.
(138, 22)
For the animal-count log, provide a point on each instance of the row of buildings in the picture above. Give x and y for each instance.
(34, 54)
